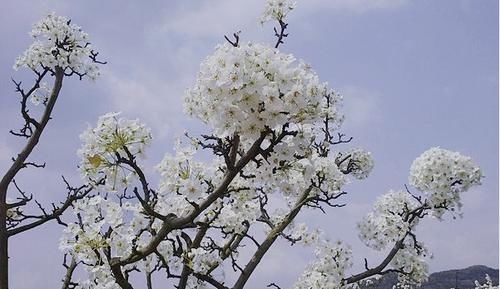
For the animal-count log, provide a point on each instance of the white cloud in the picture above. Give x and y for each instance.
(352, 6)
(211, 18)
(157, 103)
(361, 107)
(216, 18)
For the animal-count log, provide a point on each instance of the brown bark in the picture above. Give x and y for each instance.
(16, 166)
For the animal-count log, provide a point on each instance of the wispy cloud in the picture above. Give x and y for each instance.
(207, 19)
(350, 6)
(361, 107)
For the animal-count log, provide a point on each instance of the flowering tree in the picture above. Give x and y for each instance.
(277, 150)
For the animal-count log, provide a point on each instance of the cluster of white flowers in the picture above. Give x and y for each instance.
(201, 260)
(282, 172)
(86, 240)
(252, 87)
(328, 177)
(195, 283)
(277, 10)
(487, 285)
(443, 174)
(290, 176)
(242, 207)
(184, 180)
(328, 270)
(104, 228)
(301, 233)
(358, 162)
(99, 277)
(387, 222)
(41, 94)
(412, 262)
(86, 237)
(181, 174)
(113, 137)
(14, 214)
(59, 43)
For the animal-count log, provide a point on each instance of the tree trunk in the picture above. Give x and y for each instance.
(4, 253)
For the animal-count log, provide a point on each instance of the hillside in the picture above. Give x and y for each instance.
(459, 279)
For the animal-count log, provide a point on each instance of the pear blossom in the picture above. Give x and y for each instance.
(301, 233)
(329, 268)
(277, 10)
(112, 138)
(411, 261)
(201, 260)
(387, 222)
(59, 43)
(358, 162)
(253, 87)
(487, 285)
(443, 175)
(41, 94)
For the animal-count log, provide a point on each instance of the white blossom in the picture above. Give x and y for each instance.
(358, 162)
(113, 137)
(443, 174)
(41, 94)
(201, 260)
(252, 87)
(277, 10)
(327, 271)
(59, 43)
(328, 177)
(301, 233)
(487, 285)
(411, 262)
(387, 222)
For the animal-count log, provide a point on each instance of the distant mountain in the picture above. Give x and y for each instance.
(459, 279)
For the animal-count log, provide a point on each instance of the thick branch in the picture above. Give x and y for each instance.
(67, 283)
(268, 242)
(377, 270)
(35, 137)
(120, 279)
(174, 222)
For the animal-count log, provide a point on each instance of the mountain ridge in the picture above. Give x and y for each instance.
(453, 278)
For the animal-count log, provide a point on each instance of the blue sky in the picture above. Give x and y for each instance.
(414, 74)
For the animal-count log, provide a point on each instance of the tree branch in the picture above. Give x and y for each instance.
(270, 239)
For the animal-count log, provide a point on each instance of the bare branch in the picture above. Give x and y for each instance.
(70, 269)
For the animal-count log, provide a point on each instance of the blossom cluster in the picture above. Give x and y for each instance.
(303, 235)
(253, 87)
(328, 177)
(59, 43)
(411, 261)
(387, 222)
(238, 211)
(184, 180)
(106, 228)
(487, 285)
(328, 270)
(85, 240)
(443, 174)
(41, 94)
(182, 174)
(277, 10)
(201, 260)
(358, 162)
(103, 146)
